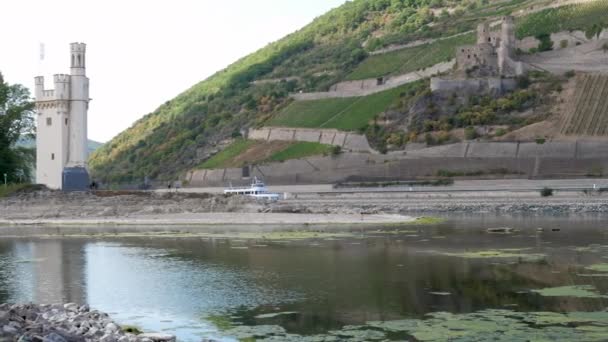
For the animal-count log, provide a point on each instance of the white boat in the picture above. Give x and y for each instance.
(256, 190)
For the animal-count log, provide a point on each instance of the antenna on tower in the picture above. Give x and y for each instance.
(42, 55)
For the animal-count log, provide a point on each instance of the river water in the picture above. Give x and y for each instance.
(346, 286)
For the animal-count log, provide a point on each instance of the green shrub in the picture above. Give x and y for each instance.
(546, 192)
(500, 132)
(540, 140)
(470, 133)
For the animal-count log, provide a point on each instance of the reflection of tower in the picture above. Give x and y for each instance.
(59, 274)
(61, 141)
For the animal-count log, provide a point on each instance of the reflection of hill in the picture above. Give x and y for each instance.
(350, 282)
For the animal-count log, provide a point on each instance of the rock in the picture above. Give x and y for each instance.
(9, 329)
(71, 307)
(108, 338)
(53, 337)
(111, 327)
(157, 337)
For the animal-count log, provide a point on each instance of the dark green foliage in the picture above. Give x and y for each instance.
(546, 43)
(546, 192)
(16, 120)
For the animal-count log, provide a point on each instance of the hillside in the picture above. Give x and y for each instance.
(337, 46)
(31, 143)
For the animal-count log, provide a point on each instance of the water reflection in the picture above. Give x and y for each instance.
(193, 286)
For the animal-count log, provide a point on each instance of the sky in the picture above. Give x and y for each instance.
(140, 53)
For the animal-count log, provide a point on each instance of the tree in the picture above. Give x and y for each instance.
(16, 120)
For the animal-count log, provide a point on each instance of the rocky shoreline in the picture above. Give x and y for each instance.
(146, 209)
(65, 323)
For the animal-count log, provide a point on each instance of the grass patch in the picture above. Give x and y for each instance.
(348, 114)
(301, 150)
(410, 59)
(310, 114)
(588, 17)
(230, 152)
(245, 152)
(12, 188)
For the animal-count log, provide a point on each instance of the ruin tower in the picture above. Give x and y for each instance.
(61, 138)
(507, 46)
(483, 33)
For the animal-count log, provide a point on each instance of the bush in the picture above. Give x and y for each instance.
(541, 141)
(500, 132)
(570, 73)
(336, 150)
(470, 133)
(546, 192)
(563, 44)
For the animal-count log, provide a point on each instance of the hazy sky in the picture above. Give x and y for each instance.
(140, 53)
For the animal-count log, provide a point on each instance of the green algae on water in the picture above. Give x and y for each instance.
(578, 291)
(487, 325)
(498, 254)
(598, 267)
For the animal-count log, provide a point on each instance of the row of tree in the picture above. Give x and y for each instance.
(16, 122)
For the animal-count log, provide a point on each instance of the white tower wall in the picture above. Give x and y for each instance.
(52, 131)
(79, 103)
(61, 138)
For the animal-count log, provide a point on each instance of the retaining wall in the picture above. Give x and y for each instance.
(346, 140)
(530, 160)
(371, 86)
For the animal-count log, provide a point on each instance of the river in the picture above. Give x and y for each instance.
(331, 286)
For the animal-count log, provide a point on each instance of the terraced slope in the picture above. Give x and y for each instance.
(411, 59)
(347, 114)
(587, 113)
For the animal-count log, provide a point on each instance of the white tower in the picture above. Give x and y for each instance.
(61, 138)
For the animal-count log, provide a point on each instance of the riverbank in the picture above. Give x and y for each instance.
(66, 322)
(43, 208)
(149, 209)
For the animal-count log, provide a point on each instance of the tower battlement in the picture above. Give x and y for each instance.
(78, 47)
(61, 78)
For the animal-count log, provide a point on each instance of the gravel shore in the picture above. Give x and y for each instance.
(65, 323)
(55, 208)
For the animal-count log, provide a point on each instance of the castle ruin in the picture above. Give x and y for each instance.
(493, 55)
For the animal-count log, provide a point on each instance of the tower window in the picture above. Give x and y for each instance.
(52, 156)
(49, 121)
(66, 121)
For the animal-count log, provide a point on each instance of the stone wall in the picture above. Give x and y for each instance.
(553, 159)
(346, 140)
(476, 85)
(374, 85)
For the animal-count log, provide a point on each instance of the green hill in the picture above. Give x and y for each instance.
(333, 48)
(31, 143)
